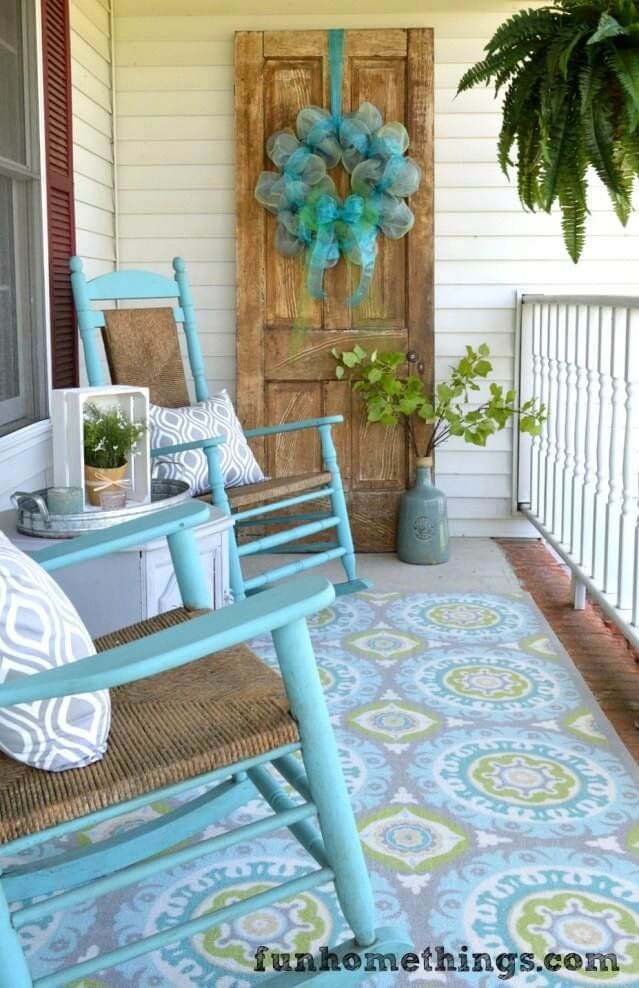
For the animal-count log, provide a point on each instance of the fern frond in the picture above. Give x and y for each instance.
(626, 157)
(598, 130)
(517, 105)
(627, 151)
(556, 154)
(482, 72)
(573, 224)
(529, 165)
(496, 66)
(626, 12)
(525, 25)
(514, 61)
(572, 198)
(572, 42)
(625, 63)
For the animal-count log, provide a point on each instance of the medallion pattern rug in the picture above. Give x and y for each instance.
(498, 810)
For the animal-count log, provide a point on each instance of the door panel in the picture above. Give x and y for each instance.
(379, 453)
(287, 87)
(383, 83)
(284, 338)
(298, 452)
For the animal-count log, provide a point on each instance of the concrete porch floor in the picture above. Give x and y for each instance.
(474, 564)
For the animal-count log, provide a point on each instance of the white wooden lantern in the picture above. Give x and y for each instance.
(67, 418)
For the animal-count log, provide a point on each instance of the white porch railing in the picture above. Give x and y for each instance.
(577, 481)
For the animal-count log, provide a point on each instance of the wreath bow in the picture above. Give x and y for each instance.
(341, 228)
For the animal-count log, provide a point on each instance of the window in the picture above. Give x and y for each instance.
(22, 329)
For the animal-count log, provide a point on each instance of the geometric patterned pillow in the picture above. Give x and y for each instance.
(213, 417)
(40, 629)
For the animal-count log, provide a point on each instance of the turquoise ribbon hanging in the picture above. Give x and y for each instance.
(312, 219)
(341, 227)
(336, 72)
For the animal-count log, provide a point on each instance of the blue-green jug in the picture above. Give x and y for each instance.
(422, 532)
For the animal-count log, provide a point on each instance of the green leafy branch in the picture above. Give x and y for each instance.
(391, 397)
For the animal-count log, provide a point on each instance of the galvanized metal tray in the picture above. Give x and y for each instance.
(35, 519)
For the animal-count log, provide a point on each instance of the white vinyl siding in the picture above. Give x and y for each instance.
(93, 134)
(93, 130)
(174, 97)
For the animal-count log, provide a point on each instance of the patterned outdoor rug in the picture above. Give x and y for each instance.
(498, 809)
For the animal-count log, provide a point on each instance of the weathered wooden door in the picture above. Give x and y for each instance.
(284, 367)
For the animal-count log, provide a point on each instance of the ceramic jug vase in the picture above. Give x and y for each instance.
(422, 533)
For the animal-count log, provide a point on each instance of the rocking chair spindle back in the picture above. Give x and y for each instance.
(263, 501)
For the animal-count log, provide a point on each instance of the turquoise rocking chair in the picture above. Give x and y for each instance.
(255, 503)
(219, 720)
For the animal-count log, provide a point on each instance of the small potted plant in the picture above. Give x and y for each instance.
(391, 397)
(109, 442)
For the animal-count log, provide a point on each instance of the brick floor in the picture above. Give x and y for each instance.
(600, 652)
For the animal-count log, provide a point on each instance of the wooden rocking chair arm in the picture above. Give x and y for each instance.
(138, 531)
(178, 645)
(272, 430)
(183, 447)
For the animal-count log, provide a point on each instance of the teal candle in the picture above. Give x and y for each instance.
(65, 500)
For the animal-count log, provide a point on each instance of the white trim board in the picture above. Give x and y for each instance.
(25, 460)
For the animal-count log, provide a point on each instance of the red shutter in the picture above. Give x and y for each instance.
(59, 179)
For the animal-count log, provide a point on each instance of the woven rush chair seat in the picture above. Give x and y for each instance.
(271, 490)
(165, 729)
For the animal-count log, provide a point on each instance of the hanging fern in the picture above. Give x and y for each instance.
(570, 78)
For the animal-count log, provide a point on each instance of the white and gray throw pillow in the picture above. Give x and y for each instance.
(213, 417)
(40, 629)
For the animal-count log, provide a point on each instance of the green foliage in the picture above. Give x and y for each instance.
(570, 78)
(391, 396)
(109, 437)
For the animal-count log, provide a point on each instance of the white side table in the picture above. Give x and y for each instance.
(138, 583)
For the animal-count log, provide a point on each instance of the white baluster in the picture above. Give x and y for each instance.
(582, 316)
(635, 580)
(629, 517)
(525, 391)
(560, 423)
(615, 449)
(592, 417)
(569, 426)
(551, 455)
(535, 454)
(577, 592)
(603, 440)
(543, 439)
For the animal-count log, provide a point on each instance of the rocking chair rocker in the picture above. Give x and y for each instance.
(211, 715)
(248, 504)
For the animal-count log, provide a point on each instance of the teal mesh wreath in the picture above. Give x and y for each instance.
(312, 219)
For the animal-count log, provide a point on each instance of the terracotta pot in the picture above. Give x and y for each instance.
(99, 480)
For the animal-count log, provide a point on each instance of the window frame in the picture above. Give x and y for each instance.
(31, 405)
